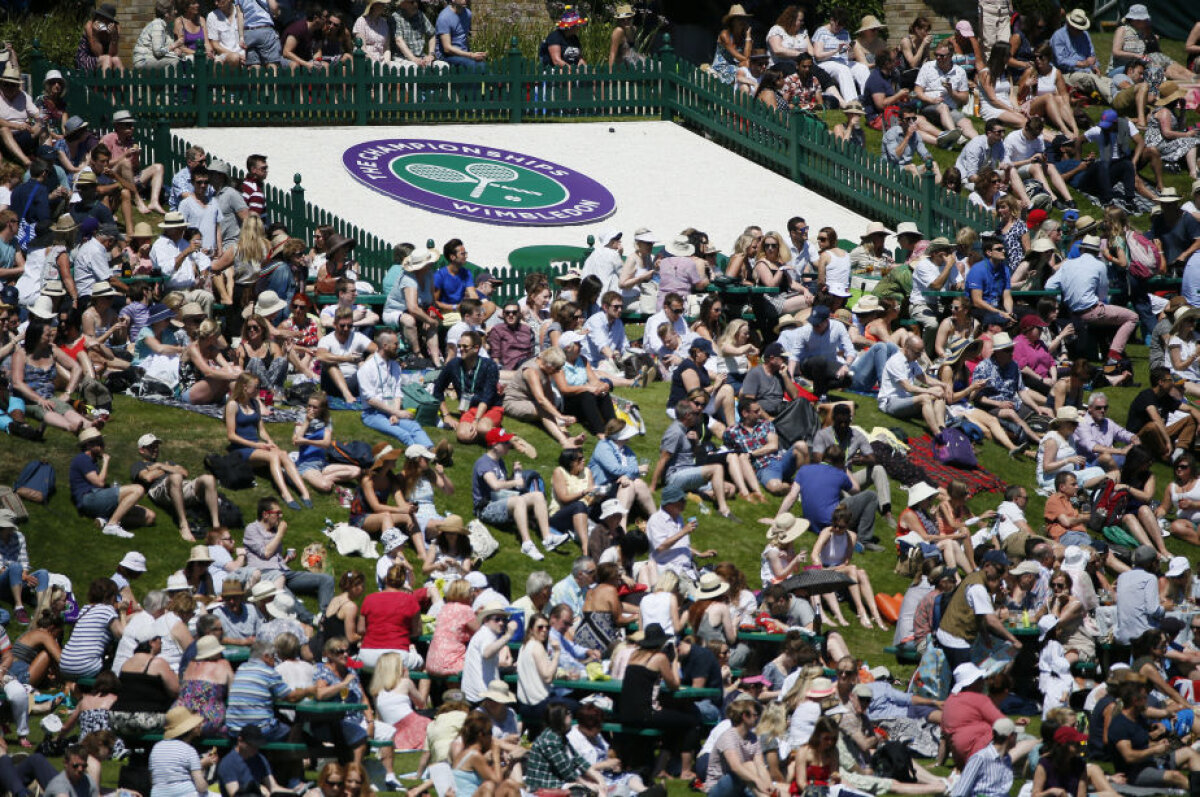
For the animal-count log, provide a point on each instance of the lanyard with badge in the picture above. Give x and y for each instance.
(467, 399)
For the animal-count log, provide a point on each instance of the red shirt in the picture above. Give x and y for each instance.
(113, 142)
(252, 193)
(967, 721)
(389, 617)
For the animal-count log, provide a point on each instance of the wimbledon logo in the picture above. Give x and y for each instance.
(494, 186)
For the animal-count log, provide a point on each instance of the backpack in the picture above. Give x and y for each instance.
(231, 470)
(354, 452)
(952, 447)
(416, 397)
(1143, 255)
(893, 760)
(36, 482)
(1108, 506)
(229, 513)
(796, 421)
(11, 502)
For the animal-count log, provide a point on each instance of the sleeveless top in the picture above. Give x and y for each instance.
(709, 632)
(837, 271)
(1047, 83)
(835, 550)
(636, 701)
(596, 631)
(466, 782)
(189, 374)
(270, 370)
(41, 380)
(1174, 493)
(192, 40)
(314, 431)
(23, 652)
(141, 691)
(817, 775)
(1002, 85)
(1065, 449)
(245, 425)
(574, 485)
(656, 608)
(332, 625)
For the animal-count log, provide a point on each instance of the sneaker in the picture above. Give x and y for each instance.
(947, 140)
(115, 530)
(555, 540)
(22, 615)
(292, 505)
(1019, 450)
(307, 502)
(873, 547)
(530, 550)
(393, 784)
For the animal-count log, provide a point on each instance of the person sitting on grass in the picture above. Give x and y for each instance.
(168, 486)
(494, 500)
(248, 437)
(314, 437)
(95, 498)
(677, 467)
(1005, 395)
(905, 390)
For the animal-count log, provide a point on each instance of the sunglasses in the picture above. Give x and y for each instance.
(512, 312)
(770, 246)
(339, 651)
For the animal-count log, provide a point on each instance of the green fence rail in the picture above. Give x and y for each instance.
(510, 89)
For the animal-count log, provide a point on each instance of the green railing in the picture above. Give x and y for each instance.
(511, 89)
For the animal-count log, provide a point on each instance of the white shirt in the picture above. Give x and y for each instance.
(135, 630)
(924, 272)
(1019, 148)
(455, 332)
(650, 339)
(930, 80)
(678, 558)
(163, 254)
(91, 265)
(981, 603)
(379, 378)
(600, 335)
(358, 343)
(223, 30)
(801, 258)
(604, 264)
(478, 671)
(897, 369)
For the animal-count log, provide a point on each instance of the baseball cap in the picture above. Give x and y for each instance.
(147, 440)
(497, 435)
(820, 313)
(996, 558)
(774, 349)
(477, 580)
(1035, 218)
(1028, 567)
(1108, 119)
(1068, 735)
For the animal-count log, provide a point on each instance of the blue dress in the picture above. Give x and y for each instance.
(312, 457)
(245, 425)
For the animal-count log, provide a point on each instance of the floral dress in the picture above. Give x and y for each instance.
(207, 699)
(324, 672)
(98, 719)
(724, 66)
(448, 650)
(1174, 150)
(1012, 243)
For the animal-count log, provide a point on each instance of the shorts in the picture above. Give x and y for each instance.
(780, 468)
(1024, 171)
(1079, 538)
(1150, 776)
(262, 46)
(311, 464)
(100, 503)
(36, 412)
(160, 494)
(688, 479)
(1125, 101)
(901, 407)
(493, 414)
(934, 114)
(495, 512)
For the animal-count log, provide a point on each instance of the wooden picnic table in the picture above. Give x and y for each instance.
(237, 654)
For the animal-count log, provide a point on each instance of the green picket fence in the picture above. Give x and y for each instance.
(511, 89)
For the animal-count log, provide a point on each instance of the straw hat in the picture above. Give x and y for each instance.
(207, 647)
(231, 588)
(874, 228)
(89, 434)
(786, 320)
(452, 524)
(1078, 20)
(419, 260)
(65, 223)
(820, 688)
(100, 290)
(172, 221)
(261, 591)
(920, 492)
(853, 107)
(908, 228)
(180, 721)
(43, 308)
(735, 11)
(710, 586)
(11, 74)
(867, 303)
(679, 246)
(1065, 414)
(571, 275)
(1001, 341)
(870, 22)
(786, 528)
(491, 610)
(1169, 195)
(623, 11)
(199, 554)
(953, 352)
(498, 690)
(383, 454)
(267, 305)
(1169, 92)
(54, 288)
(1042, 245)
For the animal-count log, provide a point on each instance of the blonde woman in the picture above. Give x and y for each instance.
(770, 270)
(741, 263)
(204, 374)
(662, 605)
(735, 351)
(622, 46)
(247, 433)
(779, 559)
(396, 700)
(530, 397)
(246, 258)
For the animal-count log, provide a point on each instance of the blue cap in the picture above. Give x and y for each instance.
(1108, 119)
(996, 558)
(819, 313)
(774, 349)
(672, 494)
(1071, 214)
(160, 312)
(703, 344)
(88, 226)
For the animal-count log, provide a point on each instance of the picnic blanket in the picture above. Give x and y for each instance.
(277, 414)
(977, 480)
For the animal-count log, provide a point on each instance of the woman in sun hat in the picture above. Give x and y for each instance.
(868, 41)
(1055, 453)
(710, 614)
(734, 44)
(48, 257)
(101, 41)
(779, 558)
(622, 47)
(176, 769)
(1135, 40)
(204, 686)
(1168, 132)
(617, 470)
(195, 572)
(562, 48)
(369, 509)
(918, 526)
(107, 332)
(1183, 354)
(424, 473)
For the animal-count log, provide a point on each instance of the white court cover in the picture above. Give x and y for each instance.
(662, 176)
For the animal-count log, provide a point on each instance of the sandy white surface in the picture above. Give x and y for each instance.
(663, 177)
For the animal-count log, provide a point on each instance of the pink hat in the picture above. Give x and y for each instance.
(964, 29)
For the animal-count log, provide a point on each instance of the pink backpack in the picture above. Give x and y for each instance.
(1143, 255)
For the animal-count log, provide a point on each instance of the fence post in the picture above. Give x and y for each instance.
(796, 124)
(927, 194)
(516, 94)
(666, 94)
(162, 140)
(361, 72)
(37, 65)
(202, 69)
(297, 222)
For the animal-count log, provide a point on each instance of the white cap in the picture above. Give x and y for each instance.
(418, 450)
(54, 74)
(644, 235)
(148, 440)
(134, 561)
(1177, 566)
(392, 539)
(569, 337)
(477, 580)
(1045, 625)
(177, 581)
(608, 236)
(52, 723)
(611, 507)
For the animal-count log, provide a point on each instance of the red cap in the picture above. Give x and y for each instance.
(1031, 320)
(1068, 735)
(1035, 218)
(497, 435)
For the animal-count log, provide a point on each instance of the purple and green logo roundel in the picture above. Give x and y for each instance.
(481, 183)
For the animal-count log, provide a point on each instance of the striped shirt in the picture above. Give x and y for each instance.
(987, 774)
(256, 686)
(172, 763)
(14, 551)
(83, 655)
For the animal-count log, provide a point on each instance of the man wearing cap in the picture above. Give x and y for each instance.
(605, 261)
(244, 769)
(173, 256)
(934, 272)
(482, 593)
(126, 161)
(489, 476)
(89, 203)
(906, 391)
(1119, 147)
(768, 384)
(1083, 282)
(1176, 233)
(1005, 394)
(94, 498)
(970, 612)
(168, 486)
(989, 772)
(475, 379)
(14, 559)
(1076, 57)
(264, 550)
(823, 352)
(670, 538)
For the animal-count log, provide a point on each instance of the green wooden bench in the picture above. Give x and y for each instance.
(904, 654)
(631, 730)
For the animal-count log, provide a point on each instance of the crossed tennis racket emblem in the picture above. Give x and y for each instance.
(482, 174)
